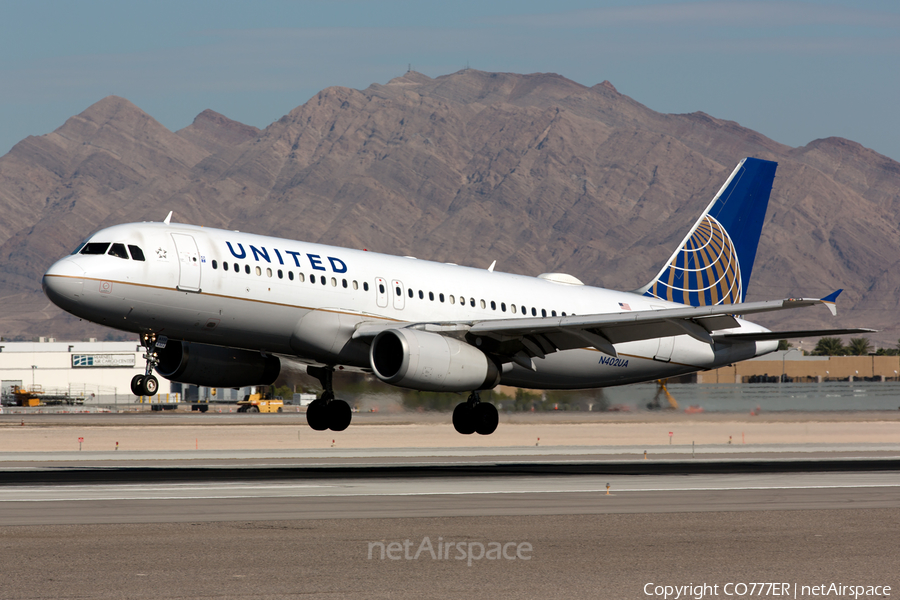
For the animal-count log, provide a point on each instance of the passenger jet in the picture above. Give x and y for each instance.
(223, 309)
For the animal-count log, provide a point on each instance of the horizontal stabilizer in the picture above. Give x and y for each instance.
(766, 336)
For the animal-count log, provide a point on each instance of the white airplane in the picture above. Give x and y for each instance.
(223, 308)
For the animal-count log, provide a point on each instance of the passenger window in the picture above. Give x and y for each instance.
(431, 296)
(355, 285)
(503, 306)
(512, 307)
(365, 286)
(259, 272)
(224, 266)
(564, 313)
(344, 283)
(398, 291)
(291, 275)
(483, 305)
(493, 305)
(95, 248)
(268, 272)
(543, 312)
(462, 300)
(136, 253)
(301, 277)
(280, 274)
(324, 279)
(421, 295)
(312, 278)
(533, 312)
(215, 265)
(472, 302)
(247, 269)
(409, 292)
(380, 288)
(553, 313)
(452, 299)
(333, 282)
(441, 297)
(237, 268)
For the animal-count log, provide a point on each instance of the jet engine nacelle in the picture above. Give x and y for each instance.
(216, 366)
(427, 361)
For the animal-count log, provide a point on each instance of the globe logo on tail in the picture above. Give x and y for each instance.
(704, 272)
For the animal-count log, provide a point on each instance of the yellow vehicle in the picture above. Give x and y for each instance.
(261, 401)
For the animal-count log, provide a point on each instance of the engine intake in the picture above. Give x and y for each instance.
(427, 361)
(216, 366)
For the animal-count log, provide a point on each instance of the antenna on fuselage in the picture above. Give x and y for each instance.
(168, 217)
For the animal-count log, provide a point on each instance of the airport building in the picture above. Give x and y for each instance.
(83, 372)
(91, 374)
(794, 366)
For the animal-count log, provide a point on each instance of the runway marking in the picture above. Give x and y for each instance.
(449, 493)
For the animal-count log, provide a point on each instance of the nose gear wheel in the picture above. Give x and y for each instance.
(147, 384)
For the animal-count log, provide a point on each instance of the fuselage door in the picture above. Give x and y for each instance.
(397, 293)
(381, 292)
(188, 262)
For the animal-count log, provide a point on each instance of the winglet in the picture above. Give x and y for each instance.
(830, 300)
(168, 217)
(491, 268)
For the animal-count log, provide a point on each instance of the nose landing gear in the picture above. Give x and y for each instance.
(475, 416)
(327, 412)
(147, 384)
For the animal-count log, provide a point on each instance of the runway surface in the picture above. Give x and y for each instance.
(312, 522)
(444, 495)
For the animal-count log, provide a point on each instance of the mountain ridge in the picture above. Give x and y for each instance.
(536, 171)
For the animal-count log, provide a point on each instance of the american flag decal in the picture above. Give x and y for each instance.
(624, 306)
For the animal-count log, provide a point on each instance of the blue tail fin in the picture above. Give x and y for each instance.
(714, 262)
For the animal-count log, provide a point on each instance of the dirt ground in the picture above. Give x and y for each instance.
(43, 433)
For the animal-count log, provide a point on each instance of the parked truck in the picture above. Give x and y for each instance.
(262, 401)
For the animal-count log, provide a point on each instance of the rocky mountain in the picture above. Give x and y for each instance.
(535, 171)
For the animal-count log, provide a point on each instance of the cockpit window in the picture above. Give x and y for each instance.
(118, 250)
(136, 253)
(95, 248)
(78, 249)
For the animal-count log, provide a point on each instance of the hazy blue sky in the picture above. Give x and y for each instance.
(794, 71)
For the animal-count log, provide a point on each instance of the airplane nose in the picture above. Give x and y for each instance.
(63, 283)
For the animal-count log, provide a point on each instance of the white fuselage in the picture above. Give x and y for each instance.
(305, 301)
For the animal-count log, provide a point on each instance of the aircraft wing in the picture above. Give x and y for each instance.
(603, 330)
(536, 337)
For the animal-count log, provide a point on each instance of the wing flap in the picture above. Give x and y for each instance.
(769, 336)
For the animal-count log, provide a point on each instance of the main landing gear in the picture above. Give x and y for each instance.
(327, 412)
(475, 416)
(147, 384)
